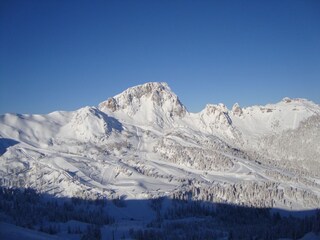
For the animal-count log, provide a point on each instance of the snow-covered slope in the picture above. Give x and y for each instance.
(273, 118)
(89, 124)
(143, 143)
(12, 232)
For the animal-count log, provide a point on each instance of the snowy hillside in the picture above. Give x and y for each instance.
(143, 144)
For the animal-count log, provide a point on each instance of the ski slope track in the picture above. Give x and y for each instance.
(143, 144)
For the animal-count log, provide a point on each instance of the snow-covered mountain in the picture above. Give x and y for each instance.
(143, 143)
(145, 132)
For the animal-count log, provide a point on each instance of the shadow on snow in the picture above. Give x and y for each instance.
(160, 218)
(6, 143)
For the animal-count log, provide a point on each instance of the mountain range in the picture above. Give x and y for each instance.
(143, 144)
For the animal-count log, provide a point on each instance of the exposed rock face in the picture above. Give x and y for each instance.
(216, 115)
(212, 109)
(152, 101)
(237, 110)
(111, 104)
(287, 100)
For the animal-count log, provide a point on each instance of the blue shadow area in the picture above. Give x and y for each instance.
(5, 143)
(112, 122)
(173, 218)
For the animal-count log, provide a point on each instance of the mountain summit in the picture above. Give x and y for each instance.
(153, 102)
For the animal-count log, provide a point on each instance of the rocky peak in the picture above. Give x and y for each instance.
(216, 115)
(296, 100)
(110, 103)
(287, 100)
(237, 110)
(212, 109)
(157, 94)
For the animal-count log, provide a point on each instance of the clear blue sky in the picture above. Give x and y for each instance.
(63, 55)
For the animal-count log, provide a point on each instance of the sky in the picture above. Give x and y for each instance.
(64, 55)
